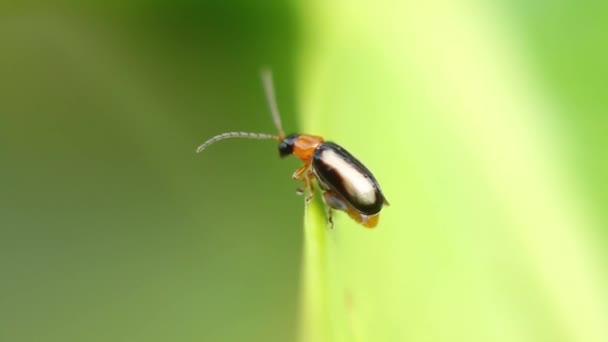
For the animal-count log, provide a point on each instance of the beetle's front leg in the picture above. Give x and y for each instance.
(298, 175)
(311, 187)
(300, 191)
(305, 175)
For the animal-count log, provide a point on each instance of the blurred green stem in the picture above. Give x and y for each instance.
(314, 309)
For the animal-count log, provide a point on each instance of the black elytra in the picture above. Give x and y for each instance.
(337, 180)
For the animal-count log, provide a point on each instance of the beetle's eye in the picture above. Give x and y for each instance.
(286, 146)
(285, 149)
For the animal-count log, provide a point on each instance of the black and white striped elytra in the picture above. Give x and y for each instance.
(337, 170)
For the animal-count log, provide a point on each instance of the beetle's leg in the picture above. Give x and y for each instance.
(333, 201)
(311, 187)
(305, 175)
(300, 191)
(330, 217)
(298, 175)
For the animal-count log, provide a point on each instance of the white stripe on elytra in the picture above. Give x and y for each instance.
(356, 184)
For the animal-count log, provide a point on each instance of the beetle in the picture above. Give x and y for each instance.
(346, 184)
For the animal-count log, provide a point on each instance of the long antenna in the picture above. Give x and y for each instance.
(246, 135)
(274, 110)
(272, 101)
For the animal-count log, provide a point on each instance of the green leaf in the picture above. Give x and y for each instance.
(486, 238)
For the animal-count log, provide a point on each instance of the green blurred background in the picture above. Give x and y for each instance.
(112, 229)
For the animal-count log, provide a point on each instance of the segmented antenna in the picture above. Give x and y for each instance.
(274, 110)
(246, 135)
(272, 101)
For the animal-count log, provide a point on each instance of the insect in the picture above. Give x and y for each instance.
(347, 185)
